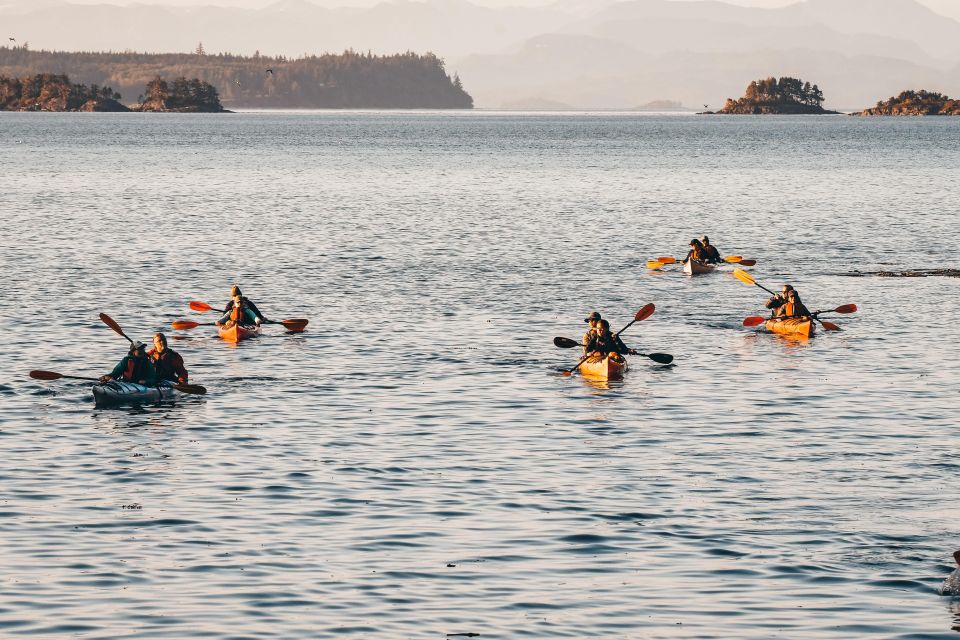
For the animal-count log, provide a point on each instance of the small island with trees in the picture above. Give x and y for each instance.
(915, 103)
(55, 92)
(772, 96)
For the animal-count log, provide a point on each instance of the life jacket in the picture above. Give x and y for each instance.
(169, 365)
(136, 369)
(791, 309)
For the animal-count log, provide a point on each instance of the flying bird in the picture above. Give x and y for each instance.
(12, 39)
(270, 71)
(238, 82)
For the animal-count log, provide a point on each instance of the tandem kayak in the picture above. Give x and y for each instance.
(792, 327)
(695, 267)
(606, 368)
(118, 392)
(238, 332)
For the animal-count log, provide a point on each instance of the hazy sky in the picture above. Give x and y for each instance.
(945, 7)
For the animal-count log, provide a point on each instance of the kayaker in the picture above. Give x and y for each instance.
(603, 343)
(240, 309)
(710, 251)
(167, 362)
(794, 308)
(593, 320)
(778, 300)
(696, 252)
(135, 367)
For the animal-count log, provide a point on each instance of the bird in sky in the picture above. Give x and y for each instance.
(12, 39)
(270, 71)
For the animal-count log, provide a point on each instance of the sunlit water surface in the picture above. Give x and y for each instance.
(413, 466)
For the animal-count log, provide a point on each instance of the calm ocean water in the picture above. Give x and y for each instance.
(412, 466)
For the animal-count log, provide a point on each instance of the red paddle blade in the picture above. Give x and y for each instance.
(645, 313)
(829, 326)
(753, 321)
(184, 324)
(748, 263)
(45, 375)
(296, 325)
(667, 260)
(847, 308)
(202, 307)
(110, 322)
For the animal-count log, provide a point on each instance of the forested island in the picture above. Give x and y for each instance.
(915, 103)
(349, 80)
(772, 96)
(55, 92)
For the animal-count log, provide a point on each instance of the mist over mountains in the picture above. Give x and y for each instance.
(598, 54)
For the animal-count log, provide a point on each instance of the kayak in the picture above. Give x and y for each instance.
(118, 392)
(606, 368)
(793, 327)
(238, 332)
(694, 267)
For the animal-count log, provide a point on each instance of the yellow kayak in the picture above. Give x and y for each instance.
(606, 368)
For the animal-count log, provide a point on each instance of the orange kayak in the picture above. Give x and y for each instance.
(604, 368)
(238, 332)
(793, 327)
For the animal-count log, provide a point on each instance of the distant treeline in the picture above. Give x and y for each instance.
(347, 80)
(770, 95)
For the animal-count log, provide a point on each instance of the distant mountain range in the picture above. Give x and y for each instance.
(576, 53)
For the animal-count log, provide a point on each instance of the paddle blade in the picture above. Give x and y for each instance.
(734, 259)
(110, 322)
(645, 313)
(654, 264)
(565, 343)
(753, 321)
(667, 260)
(184, 324)
(847, 308)
(662, 358)
(45, 375)
(829, 326)
(566, 373)
(748, 263)
(194, 389)
(743, 276)
(202, 307)
(295, 325)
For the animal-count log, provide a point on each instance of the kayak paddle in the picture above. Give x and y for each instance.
(37, 374)
(110, 322)
(567, 343)
(754, 321)
(295, 325)
(743, 276)
(180, 325)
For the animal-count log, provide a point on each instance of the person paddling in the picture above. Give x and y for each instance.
(167, 362)
(778, 300)
(134, 367)
(696, 252)
(710, 252)
(603, 343)
(594, 321)
(793, 308)
(240, 310)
